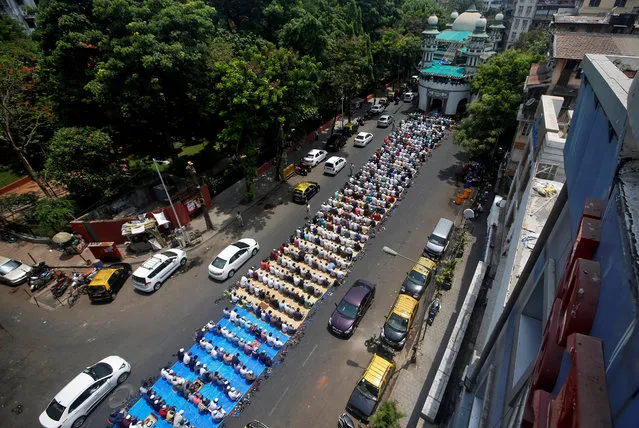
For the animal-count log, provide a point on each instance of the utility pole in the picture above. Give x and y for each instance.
(205, 211)
(342, 110)
(168, 196)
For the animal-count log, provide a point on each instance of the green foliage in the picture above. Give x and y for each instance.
(85, 161)
(54, 213)
(11, 203)
(386, 416)
(10, 29)
(536, 42)
(445, 272)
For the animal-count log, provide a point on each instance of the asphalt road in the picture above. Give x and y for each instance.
(43, 350)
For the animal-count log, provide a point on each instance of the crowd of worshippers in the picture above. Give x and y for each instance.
(319, 254)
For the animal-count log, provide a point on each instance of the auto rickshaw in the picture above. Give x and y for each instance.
(350, 128)
(384, 101)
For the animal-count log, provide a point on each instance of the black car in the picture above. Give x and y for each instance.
(350, 310)
(335, 142)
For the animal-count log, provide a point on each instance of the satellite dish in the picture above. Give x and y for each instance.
(530, 102)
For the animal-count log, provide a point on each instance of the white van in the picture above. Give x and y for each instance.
(334, 165)
(438, 240)
(409, 97)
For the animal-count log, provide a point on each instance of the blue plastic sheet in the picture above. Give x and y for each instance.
(141, 409)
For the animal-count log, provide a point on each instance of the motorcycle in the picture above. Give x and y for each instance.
(61, 284)
(435, 306)
(302, 168)
(345, 421)
(360, 121)
(396, 100)
(40, 276)
(7, 235)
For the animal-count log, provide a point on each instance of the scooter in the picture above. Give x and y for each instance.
(302, 169)
(435, 306)
(61, 284)
(40, 276)
(345, 421)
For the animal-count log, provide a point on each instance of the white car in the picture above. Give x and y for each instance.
(378, 108)
(384, 121)
(232, 258)
(71, 406)
(334, 165)
(13, 272)
(314, 157)
(152, 274)
(362, 139)
(409, 97)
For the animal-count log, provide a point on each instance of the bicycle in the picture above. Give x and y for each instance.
(76, 293)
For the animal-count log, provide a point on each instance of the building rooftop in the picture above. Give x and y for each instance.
(576, 45)
(538, 75)
(444, 70)
(453, 36)
(579, 19)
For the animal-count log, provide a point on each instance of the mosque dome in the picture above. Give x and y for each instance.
(480, 24)
(454, 14)
(466, 21)
(433, 20)
(499, 17)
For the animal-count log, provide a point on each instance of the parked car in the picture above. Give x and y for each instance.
(438, 240)
(369, 390)
(350, 310)
(384, 121)
(409, 97)
(314, 157)
(13, 272)
(71, 406)
(350, 128)
(418, 278)
(152, 274)
(108, 281)
(335, 142)
(232, 258)
(377, 109)
(384, 101)
(304, 191)
(334, 165)
(362, 139)
(399, 321)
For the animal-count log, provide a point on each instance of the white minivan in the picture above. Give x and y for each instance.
(438, 240)
(334, 165)
(71, 406)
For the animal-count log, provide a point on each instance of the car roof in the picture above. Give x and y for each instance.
(356, 294)
(384, 116)
(376, 369)
(228, 252)
(74, 388)
(363, 134)
(377, 105)
(304, 185)
(334, 159)
(404, 306)
(102, 276)
(314, 151)
(424, 265)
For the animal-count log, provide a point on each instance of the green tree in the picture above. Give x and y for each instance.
(24, 113)
(387, 416)
(536, 42)
(10, 29)
(54, 213)
(86, 162)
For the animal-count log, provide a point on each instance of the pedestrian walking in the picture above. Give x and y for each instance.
(352, 166)
(240, 220)
(308, 210)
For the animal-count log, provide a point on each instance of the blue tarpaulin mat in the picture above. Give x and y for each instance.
(141, 409)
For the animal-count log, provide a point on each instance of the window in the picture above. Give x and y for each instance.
(594, 3)
(516, 25)
(528, 10)
(520, 10)
(81, 399)
(620, 3)
(525, 129)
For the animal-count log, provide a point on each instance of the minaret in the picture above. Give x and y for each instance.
(496, 32)
(453, 16)
(429, 43)
(476, 45)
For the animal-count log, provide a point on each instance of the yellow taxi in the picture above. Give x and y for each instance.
(304, 191)
(369, 390)
(418, 278)
(108, 281)
(399, 321)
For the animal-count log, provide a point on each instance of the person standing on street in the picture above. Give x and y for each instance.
(240, 220)
(352, 166)
(308, 210)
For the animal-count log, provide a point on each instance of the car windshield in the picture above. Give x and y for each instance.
(416, 277)
(397, 323)
(98, 371)
(169, 254)
(9, 266)
(437, 239)
(239, 244)
(347, 310)
(219, 263)
(55, 410)
(367, 389)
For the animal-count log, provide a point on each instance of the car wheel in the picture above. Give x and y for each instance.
(79, 422)
(231, 273)
(157, 286)
(183, 262)
(254, 252)
(123, 377)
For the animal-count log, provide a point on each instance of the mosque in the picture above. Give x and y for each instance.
(450, 59)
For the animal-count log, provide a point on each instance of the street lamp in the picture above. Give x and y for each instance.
(166, 162)
(394, 253)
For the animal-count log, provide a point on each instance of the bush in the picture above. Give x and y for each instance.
(387, 416)
(54, 214)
